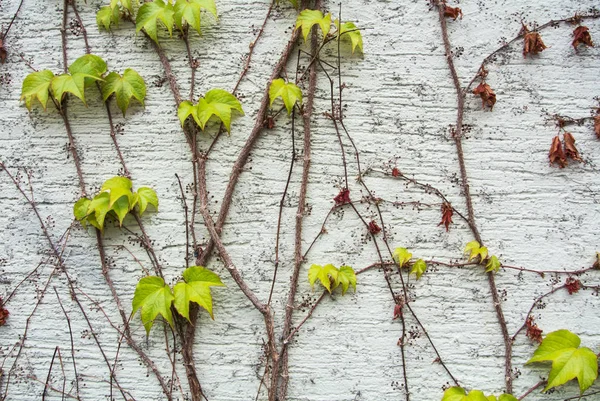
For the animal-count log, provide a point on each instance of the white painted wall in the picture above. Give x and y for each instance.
(400, 102)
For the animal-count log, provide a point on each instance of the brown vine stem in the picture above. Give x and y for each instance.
(308, 315)
(460, 97)
(72, 344)
(532, 389)
(535, 302)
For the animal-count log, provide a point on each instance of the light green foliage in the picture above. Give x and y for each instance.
(402, 256)
(36, 86)
(475, 249)
(195, 288)
(189, 11)
(64, 83)
(459, 394)
(108, 15)
(289, 93)
(493, 264)
(150, 13)
(348, 30)
(308, 18)
(568, 360)
(217, 102)
(418, 268)
(115, 198)
(129, 85)
(90, 66)
(154, 297)
(331, 277)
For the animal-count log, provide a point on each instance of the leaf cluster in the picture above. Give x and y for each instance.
(116, 199)
(289, 92)
(111, 14)
(344, 30)
(460, 394)
(331, 277)
(154, 297)
(44, 85)
(217, 102)
(402, 256)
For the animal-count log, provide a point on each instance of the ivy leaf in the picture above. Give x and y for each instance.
(346, 277)
(402, 256)
(568, 360)
(146, 196)
(189, 10)
(493, 264)
(130, 85)
(70, 83)
(459, 394)
(323, 274)
(150, 13)
(289, 93)
(186, 109)
(350, 31)
(91, 66)
(117, 183)
(99, 206)
(80, 209)
(217, 102)
(121, 207)
(36, 86)
(106, 16)
(419, 267)
(475, 249)
(154, 297)
(308, 18)
(196, 288)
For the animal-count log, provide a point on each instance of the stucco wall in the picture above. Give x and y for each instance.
(399, 101)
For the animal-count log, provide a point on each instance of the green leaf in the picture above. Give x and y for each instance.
(71, 83)
(475, 249)
(154, 297)
(418, 268)
(106, 16)
(146, 196)
(99, 206)
(493, 264)
(150, 13)
(217, 102)
(507, 397)
(90, 66)
(196, 288)
(186, 109)
(36, 86)
(324, 274)
(349, 31)
(189, 11)
(346, 277)
(117, 183)
(121, 207)
(308, 18)
(80, 209)
(130, 85)
(568, 360)
(289, 93)
(402, 256)
(459, 394)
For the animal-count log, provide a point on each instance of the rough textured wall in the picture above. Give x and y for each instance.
(399, 104)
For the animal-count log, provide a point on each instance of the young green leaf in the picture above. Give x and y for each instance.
(345, 278)
(348, 30)
(289, 93)
(106, 16)
(402, 256)
(88, 64)
(493, 264)
(36, 86)
(80, 209)
(196, 288)
(568, 360)
(475, 249)
(154, 297)
(130, 85)
(324, 274)
(189, 11)
(99, 206)
(308, 18)
(146, 196)
(186, 109)
(418, 268)
(117, 182)
(70, 83)
(121, 207)
(459, 394)
(217, 102)
(150, 13)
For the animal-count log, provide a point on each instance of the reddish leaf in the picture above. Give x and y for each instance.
(581, 35)
(447, 213)
(488, 97)
(570, 149)
(533, 331)
(396, 172)
(573, 285)
(342, 197)
(3, 313)
(452, 12)
(532, 43)
(397, 311)
(556, 154)
(597, 125)
(374, 228)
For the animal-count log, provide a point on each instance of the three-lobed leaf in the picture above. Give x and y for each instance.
(308, 18)
(36, 86)
(146, 196)
(460, 394)
(402, 256)
(561, 347)
(325, 274)
(195, 288)
(216, 102)
(107, 15)
(348, 30)
(475, 249)
(493, 264)
(129, 85)
(188, 11)
(150, 13)
(154, 298)
(346, 277)
(289, 92)
(418, 268)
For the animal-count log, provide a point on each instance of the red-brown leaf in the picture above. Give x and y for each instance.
(488, 97)
(556, 154)
(374, 227)
(533, 331)
(597, 125)
(573, 285)
(452, 12)
(581, 35)
(447, 213)
(342, 197)
(532, 43)
(570, 149)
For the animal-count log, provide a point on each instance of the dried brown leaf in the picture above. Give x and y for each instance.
(556, 154)
(532, 43)
(570, 149)
(488, 97)
(581, 35)
(452, 12)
